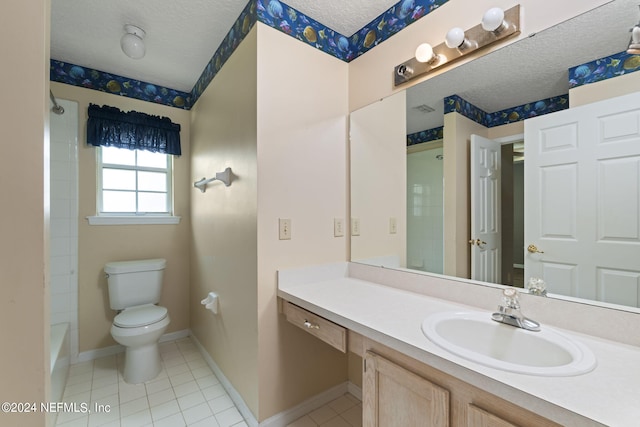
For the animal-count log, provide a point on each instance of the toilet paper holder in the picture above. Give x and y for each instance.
(211, 302)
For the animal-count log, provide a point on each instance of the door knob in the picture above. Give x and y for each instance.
(534, 249)
(477, 242)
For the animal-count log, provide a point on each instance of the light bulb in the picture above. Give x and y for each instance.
(424, 53)
(454, 38)
(634, 44)
(493, 19)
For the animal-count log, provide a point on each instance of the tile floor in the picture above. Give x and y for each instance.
(346, 411)
(185, 393)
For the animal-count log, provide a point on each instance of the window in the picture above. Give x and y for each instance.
(134, 183)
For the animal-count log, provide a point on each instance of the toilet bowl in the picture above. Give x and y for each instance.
(138, 329)
(134, 291)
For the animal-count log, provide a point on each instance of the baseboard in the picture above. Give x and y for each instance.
(177, 335)
(86, 356)
(248, 416)
(285, 418)
(354, 390)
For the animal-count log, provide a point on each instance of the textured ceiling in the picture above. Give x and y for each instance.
(529, 70)
(181, 35)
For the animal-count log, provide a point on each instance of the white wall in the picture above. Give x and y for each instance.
(64, 219)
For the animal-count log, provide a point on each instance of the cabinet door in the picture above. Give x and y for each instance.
(396, 397)
(477, 417)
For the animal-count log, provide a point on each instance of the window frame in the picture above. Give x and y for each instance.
(113, 218)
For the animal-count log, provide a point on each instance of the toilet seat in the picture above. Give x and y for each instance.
(141, 315)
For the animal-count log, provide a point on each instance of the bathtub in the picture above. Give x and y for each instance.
(59, 345)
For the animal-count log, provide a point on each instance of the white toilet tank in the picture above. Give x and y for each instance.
(134, 282)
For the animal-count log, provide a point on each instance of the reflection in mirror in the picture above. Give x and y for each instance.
(492, 97)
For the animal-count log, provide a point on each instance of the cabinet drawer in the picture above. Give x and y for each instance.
(327, 331)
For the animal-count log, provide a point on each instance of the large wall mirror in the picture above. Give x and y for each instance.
(443, 173)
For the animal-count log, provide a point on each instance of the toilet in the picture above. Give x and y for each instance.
(134, 291)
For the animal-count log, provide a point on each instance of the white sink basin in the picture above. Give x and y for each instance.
(474, 336)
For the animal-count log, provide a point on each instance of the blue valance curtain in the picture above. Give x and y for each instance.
(108, 126)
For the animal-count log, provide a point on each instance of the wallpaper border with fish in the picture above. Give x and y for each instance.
(425, 136)
(509, 115)
(75, 75)
(603, 69)
(294, 23)
(230, 43)
(288, 20)
(396, 18)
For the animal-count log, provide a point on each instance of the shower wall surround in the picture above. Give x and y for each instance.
(64, 220)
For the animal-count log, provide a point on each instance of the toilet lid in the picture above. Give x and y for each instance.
(141, 315)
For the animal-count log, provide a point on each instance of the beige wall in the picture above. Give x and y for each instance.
(302, 175)
(371, 75)
(503, 131)
(457, 227)
(378, 139)
(605, 89)
(224, 236)
(24, 221)
(98, 245)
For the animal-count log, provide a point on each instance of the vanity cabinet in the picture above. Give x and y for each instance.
(399, 391)
(393, 396)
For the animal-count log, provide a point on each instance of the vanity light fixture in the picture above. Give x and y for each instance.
(497, 24)
(634, 43)
(132, 43)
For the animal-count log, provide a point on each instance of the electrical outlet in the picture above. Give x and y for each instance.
(338, 227)
(393, 225)
(355, 227)
(284, 227)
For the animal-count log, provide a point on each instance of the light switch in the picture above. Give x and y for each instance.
(338, 227)
(284, 226)
(393, 225)
(355, 227)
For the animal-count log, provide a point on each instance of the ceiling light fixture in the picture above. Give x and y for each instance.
(132, 43)
(496, 25)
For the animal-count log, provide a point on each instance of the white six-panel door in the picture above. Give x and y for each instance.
(486, 219)
(582, 200)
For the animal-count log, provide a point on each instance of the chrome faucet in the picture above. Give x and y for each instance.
(510, 314)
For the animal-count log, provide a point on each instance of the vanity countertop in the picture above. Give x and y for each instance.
(608, 395)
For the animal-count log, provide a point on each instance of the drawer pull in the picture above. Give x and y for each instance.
(310, 325)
